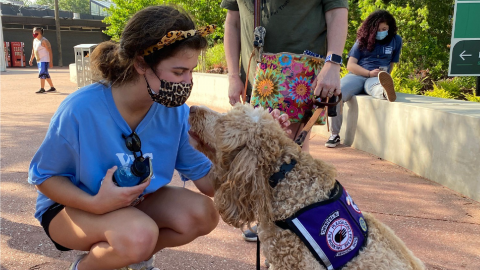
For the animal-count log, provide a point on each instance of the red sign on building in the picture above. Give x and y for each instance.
(6, 50)
(18, 54)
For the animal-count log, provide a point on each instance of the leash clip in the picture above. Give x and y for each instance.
(259, 41)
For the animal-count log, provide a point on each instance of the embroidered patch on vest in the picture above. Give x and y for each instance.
(340, 235)
(333, 230)
(363, 224)
(327, 222)
(352, 203)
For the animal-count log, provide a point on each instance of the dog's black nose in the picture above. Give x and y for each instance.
(193, 109)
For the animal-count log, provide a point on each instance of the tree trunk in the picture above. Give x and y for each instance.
(59, 39)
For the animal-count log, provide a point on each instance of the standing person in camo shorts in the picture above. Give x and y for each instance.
(42, 50)
(292, 26)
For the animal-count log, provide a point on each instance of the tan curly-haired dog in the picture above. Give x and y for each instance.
(247, 146)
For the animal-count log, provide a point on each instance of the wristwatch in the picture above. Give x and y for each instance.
(334, 58)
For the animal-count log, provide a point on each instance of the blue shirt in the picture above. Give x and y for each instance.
(382, 54)
(84, 140)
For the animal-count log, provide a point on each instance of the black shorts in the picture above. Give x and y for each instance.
(47, 217)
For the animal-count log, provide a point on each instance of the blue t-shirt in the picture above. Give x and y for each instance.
(84, 140)
(382, 55)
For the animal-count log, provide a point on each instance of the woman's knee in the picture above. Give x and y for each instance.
(137, 240)
(351, 85)
(203, 217)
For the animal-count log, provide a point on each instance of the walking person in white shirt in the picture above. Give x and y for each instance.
(42, 50)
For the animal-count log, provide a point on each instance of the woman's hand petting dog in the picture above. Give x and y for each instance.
(282, 120)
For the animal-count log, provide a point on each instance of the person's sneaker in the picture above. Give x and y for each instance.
(250, 236)
(143, 268)
(387, 82)
(333, 141)
(73, 266)
(41, 91)
(145, 265)
(51, 90)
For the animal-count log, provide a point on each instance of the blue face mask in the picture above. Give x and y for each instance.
(382, 35)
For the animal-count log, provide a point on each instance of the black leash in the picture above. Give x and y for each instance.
(258, 252)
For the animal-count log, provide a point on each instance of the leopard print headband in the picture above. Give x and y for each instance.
(174, 36)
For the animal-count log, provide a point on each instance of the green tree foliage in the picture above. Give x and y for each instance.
(121, 12)
(49, 3)
(424, 25)
(28, 3)
(203, 12)
(77, 6)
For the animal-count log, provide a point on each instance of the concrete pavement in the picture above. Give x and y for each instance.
(439, 225)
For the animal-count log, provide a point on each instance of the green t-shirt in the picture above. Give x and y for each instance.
(291, 26)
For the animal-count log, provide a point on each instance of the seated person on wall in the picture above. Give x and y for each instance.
(370, 62)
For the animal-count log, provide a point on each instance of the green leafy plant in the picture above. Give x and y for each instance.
(343, 71)
(409, 86)
(408, 90)
(438, 92)
(465, 82)
(451, 87)
(406, 85)
(215, 57)
(212, 60)
(471, 97)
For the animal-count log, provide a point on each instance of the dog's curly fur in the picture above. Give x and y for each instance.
(247, 146)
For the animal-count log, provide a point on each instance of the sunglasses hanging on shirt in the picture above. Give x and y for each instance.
(141, 168)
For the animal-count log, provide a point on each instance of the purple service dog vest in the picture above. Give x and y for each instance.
(333, 230)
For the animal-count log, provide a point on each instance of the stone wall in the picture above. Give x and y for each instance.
(438, 139)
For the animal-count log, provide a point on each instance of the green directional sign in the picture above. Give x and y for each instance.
(465, 45)
(465, 57)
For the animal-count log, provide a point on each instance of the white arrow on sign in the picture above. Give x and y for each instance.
(462, 55)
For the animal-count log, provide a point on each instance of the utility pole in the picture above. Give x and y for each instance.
(477, 92)
(3, 64)
(59, 39)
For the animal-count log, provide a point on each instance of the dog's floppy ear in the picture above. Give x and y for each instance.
(235, 198)
(247, 153)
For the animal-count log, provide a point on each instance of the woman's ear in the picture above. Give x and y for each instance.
(140, 65)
